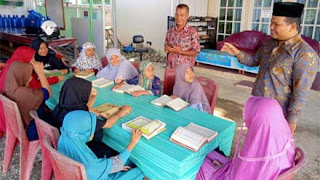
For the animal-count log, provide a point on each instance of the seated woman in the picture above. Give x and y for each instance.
(189, 89)
(25, 54)
(88, 60)
(77, 129)
(268, 149)
(47, 57)
(147, 80)
(78, 94)
(118, 69)
(17, 89)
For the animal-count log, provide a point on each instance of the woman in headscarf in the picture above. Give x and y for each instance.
(88, 60)
(47, 57)
(268, 149)
(147, 80)
(78, 94)
(118, 69)
(189, 88)
(25, 54)
(77, 129)
(17, 89)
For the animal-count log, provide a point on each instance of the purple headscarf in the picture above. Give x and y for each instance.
(190, 92)
(124, 70)
(268, 149)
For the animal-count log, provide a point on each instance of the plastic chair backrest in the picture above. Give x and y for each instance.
(210, 88)
(13, 118)
(104, 62)
(300, 161)
(45, 129)
(63, 166)
(169, 80)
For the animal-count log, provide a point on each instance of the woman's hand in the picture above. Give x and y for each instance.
(64, 71)
(76, 71)
(139, 93)
(61, 78)
(135, 137)
(117, 86)
(38, 67)
(125, 110)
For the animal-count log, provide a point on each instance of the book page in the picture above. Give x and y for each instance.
(107, 110)
(137, 122)
(161, 101)
(203, 131)
(188, 138)
(151, 127)
(52, 73)
(123, 88)
(135, 88)
(177, 104)
(101, 82)
(84, 74)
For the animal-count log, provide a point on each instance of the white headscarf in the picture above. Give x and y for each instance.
(84, 62)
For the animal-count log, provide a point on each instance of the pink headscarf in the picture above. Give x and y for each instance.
(268, 149)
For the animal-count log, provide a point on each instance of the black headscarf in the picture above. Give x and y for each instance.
(50, 60)
(75, 94)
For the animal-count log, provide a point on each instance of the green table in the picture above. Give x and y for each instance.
(159, 158)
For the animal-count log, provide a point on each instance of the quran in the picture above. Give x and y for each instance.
(149, 128)
(84, 74)
(106, 110)
(176, 104)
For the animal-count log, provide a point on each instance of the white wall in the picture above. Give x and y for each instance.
(143, 17)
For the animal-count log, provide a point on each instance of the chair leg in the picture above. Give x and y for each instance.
(46, 167)
(27, 157)
(11, 143)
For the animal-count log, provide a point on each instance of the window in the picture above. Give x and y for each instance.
(262, 12)
(310, 25)
(230, 15)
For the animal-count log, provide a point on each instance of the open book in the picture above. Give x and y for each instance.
(192, 136)
(101, 82)
(52, 73)
(106, 110)
(84, 74)
(149, 128)
(128, 88)
(176, 104)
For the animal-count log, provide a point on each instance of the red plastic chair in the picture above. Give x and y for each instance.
(104, 63)
(300, 161)
(210, 88)
(2, 121)
(169, 80)
(45, 129)
(16, 132)
(64, 167)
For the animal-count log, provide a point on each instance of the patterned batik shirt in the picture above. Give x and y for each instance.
(286, 73)
(186, 40)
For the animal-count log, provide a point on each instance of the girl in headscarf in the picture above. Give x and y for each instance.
(268, 149)
(78, 94)
(118, 69)
(88, 60)
(26, 55)
(17, 89)
(189, 88)
(147, 80)
(78, 128)
(47, 57)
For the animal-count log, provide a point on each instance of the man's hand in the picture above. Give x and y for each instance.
(231, 49)
(173, 49)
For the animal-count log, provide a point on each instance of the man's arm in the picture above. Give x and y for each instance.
(244, 58)
(304, 72)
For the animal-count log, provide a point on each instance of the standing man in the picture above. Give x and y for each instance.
(182, 41)
(288, 64)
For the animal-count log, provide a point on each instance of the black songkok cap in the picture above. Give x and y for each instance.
(287, 9)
